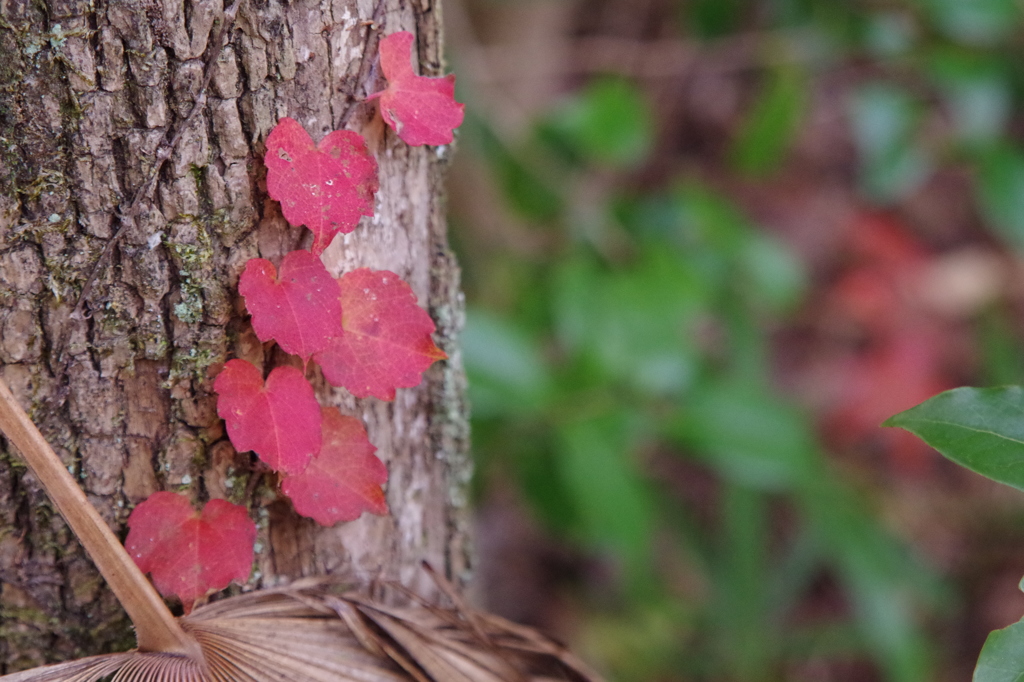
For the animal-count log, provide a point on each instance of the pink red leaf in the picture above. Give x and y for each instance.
(344, 480)
(326, 187)
(421, 110)
(279, 421)
(386, 342)
(298, 307)
(188, 553)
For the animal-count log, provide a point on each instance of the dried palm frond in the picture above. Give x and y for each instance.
(308, 632)
(257, 637)
(312, 632)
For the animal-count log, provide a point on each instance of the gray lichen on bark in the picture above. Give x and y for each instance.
(88, 92)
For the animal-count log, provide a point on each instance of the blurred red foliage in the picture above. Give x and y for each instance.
(900, 361)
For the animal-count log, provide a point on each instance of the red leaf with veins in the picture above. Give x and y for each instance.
(386, 342)
(188, 553)
(326, 187)
(344, 480)
(298, 307)
(421, 110)
(279, 421)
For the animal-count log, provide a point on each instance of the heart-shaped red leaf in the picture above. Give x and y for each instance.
(297, 307)
(344, 480)
(326, 187)
(421, 110)
(188, 553)
(386, 342)
(279, 421)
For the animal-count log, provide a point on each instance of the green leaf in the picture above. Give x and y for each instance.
(1002, 355)
(577, 301)
(506, 368)
(979, 428)
(608, 123)
(889, 34)
(768, 131)
(975, 22)
(594, 459)
(752, 438)
(741, 590)
(977, 92)
(884, 120)
(1002, 657)
(518, 175)
(714, 221)
(1000, 190)
(887, 586)
(713, 18)
(636, 323)
(534, 460)
(774, 274)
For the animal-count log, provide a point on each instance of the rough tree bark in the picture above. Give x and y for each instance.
(90, 90)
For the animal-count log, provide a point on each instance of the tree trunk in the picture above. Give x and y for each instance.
(90, 91)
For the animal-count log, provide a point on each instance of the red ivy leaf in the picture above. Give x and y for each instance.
(421, 110)
(190, 554)
(344, 480)
(298, 307)
(386, 343)
(280, 421)
(326, 187)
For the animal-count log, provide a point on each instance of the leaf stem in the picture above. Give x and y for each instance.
(155, 628)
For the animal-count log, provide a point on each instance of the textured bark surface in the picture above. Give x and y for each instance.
(89, 91)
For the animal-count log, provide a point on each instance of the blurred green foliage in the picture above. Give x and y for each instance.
(885, 119)
(637, 340)
(643, 333)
